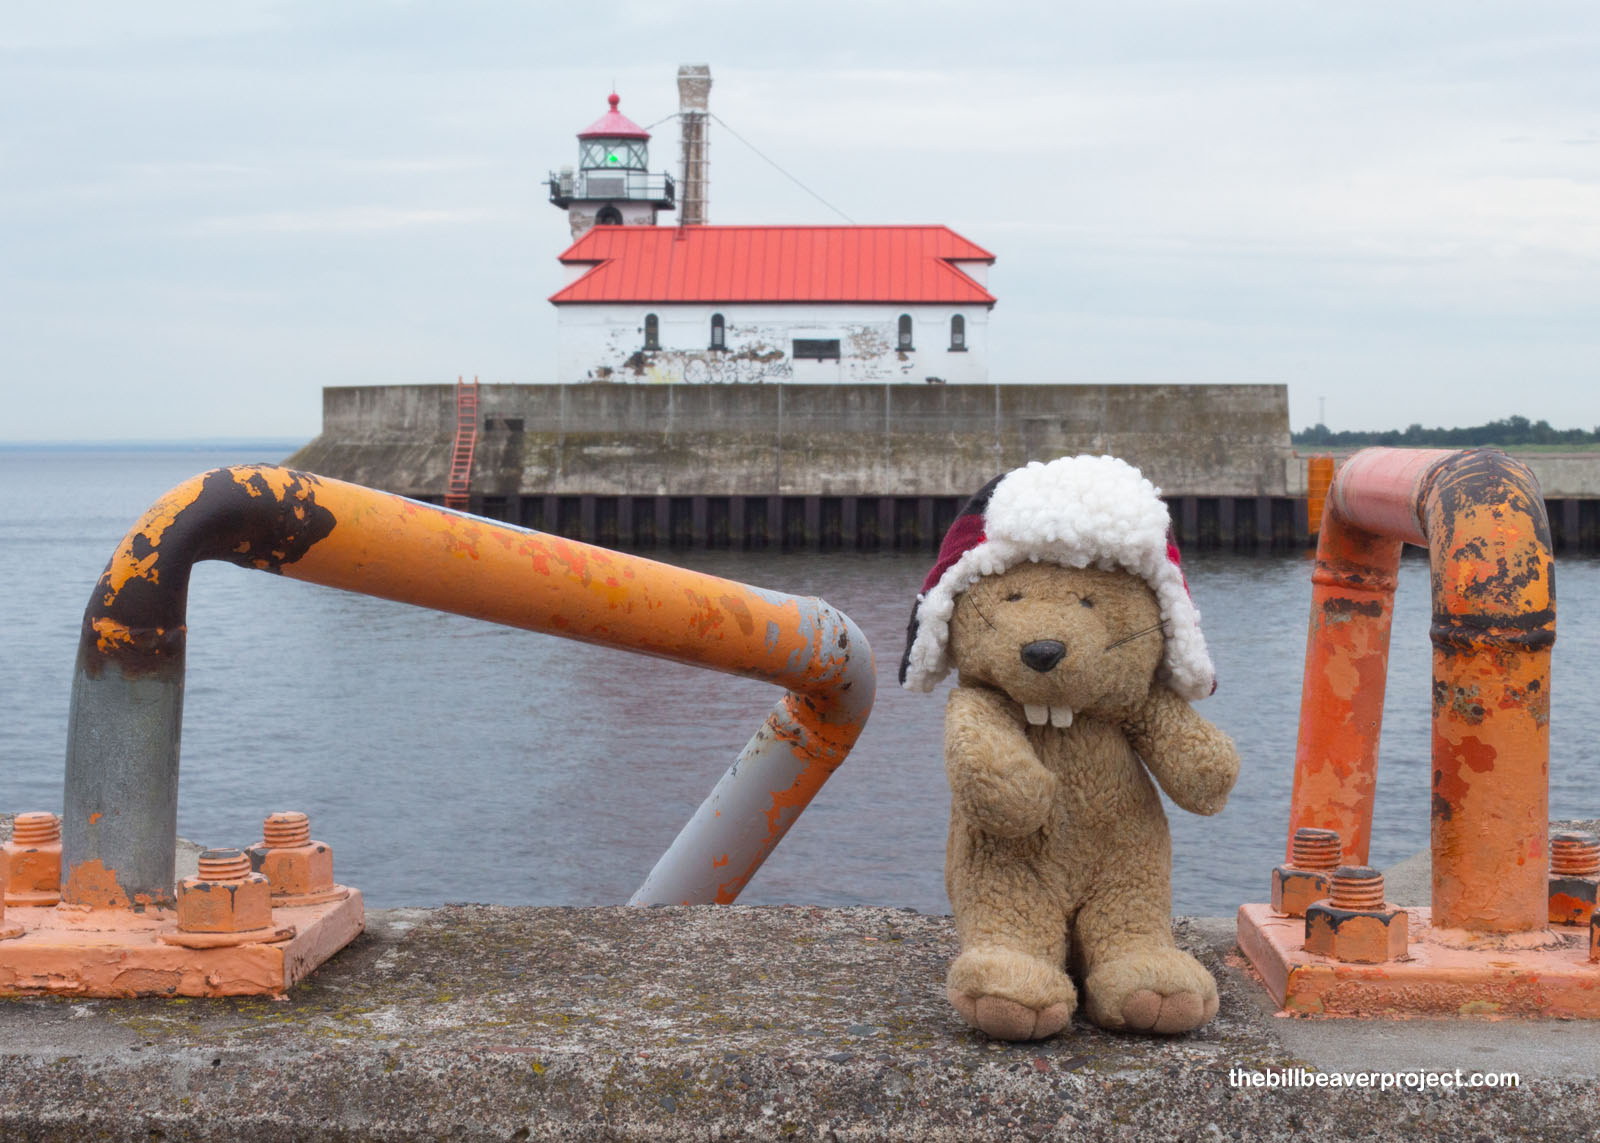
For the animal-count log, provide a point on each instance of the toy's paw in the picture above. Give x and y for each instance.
(1163, 990)
(1003, 1019)
(1010, 995)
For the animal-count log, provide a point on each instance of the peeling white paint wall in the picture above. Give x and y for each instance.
(606, 343)
(581, 216)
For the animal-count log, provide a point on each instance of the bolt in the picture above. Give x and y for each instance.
(1356, 887)
(1314, 853)
(1577, 853)
(1353, 924)
(36, 828)
(224, 865)
(1574, 877)
(32, 861)
(286, 829)
(1594, 937)
(300, 869)
(226, 897)
(1315, 849)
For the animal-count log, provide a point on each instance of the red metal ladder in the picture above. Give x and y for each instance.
(466, 441)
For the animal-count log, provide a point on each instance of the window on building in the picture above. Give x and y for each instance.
(608, 216)
(958, 334)
(719, 332)
(905, 332)
(652, 331)
(816, 349)
(612, 154)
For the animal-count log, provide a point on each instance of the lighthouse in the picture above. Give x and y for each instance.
(699, 303)
(612, 184)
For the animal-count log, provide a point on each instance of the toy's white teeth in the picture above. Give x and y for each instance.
(1038, 714)
(1061, 716)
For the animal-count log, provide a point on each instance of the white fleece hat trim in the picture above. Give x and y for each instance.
(1080, 511)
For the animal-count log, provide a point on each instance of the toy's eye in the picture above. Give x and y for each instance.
(1013, 597)
(1086, 601)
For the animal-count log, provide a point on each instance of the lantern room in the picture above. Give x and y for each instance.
(612, 184)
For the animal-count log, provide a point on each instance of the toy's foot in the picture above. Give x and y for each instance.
(1162, 990)
(1004, 1019)
(1010, 995)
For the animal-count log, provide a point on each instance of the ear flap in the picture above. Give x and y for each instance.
(966, 531)
(911, 638)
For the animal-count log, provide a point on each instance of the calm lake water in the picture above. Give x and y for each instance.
(450, 760)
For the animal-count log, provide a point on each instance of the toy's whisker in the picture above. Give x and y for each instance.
(981, 615)
(1130, 638)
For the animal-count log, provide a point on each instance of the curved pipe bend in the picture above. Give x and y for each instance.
(120, 812)
(1482, 518)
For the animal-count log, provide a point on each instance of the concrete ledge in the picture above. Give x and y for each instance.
(484, 1022)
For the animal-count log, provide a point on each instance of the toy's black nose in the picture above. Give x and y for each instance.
(1043, 654)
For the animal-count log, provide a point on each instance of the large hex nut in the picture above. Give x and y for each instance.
(31, 861)
(300, 869)
(294, 871)
(1356, 936)
(235, 905)
(1572, 898)
(1293, 889)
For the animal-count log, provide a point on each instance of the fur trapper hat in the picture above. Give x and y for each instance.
(1076, 511)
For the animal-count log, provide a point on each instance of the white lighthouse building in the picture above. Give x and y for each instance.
(702, 303)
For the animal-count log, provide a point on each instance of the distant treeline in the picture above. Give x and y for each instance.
(1511, 431)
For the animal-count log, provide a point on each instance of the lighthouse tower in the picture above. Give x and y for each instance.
(612, 185)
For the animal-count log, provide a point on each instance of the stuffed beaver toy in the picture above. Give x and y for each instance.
(1059, 602)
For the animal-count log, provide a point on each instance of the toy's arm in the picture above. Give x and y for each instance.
(995, 777)
(1195, 762)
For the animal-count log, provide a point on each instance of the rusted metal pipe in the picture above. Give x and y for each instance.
(1482, 518)
(120, 821)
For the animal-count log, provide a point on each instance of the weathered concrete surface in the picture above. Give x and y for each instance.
(482, 1022)
(615, 439)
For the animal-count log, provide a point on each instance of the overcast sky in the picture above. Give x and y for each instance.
(211, 210)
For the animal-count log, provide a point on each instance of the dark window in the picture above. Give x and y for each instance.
(905, 331)
(816, 349)
(652, 331)
(608, 216)
(958, 333)
(719, 332)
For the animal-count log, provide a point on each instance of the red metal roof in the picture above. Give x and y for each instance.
(613, 124)
(900, 264)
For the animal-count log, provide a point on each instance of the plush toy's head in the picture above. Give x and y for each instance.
(1052, 535)
(1059, 640)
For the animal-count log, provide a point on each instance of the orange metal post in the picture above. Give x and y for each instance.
(1319, 477)
(1341, 703)
(1484, 947)
(1494, 624)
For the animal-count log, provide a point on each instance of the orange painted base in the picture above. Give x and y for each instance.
(69, 951)
(1434, 979)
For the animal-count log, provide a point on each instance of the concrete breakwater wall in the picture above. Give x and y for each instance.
(844, 466)
(812, 465)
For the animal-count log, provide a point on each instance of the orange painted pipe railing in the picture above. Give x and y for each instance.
(120, 814)
(1482, 518)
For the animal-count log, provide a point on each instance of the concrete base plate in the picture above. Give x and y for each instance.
(1437, 977)
(68, 951)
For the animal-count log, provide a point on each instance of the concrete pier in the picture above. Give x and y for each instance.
(476, 1022)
